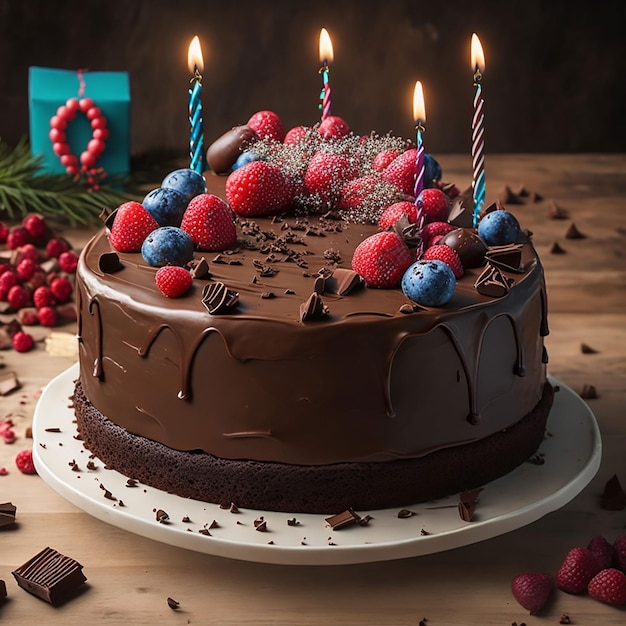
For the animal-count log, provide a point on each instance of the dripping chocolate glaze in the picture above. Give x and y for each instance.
(324, 390)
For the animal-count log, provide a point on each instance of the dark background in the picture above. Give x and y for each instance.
(554, 81)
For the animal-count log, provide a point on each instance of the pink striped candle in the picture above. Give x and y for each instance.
(478, 131)
(419, 115)
(326, 58)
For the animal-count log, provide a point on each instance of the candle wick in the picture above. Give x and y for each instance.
(419, 126)
(324, 69)
(197, 77)
(477, 76)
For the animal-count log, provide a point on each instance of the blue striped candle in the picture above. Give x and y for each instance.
(196, 122)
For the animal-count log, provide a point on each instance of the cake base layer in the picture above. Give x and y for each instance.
(311, 488)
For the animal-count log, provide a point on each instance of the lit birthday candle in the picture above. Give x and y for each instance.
(478, 130)
(419, 115)
(326, 58)
(196, 139)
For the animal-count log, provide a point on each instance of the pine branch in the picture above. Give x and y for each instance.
(24, 190)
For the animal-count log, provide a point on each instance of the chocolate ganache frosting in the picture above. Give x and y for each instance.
(298, 362)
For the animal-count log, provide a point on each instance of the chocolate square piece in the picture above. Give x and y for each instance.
(50, 576)
(7, 514)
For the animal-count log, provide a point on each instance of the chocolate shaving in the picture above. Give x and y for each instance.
(217, 298)
(405, 513)
(565, 619)
(107, 494)
(586, 349)
(492, 282)
(261, 526)
(214, 524)
(346, 518)
(508, 196)
(313, 309)
(108, 216)
(258, 521)
(233, 508)
(293, 522)
(507, 257)
(172, 604)
(557, 249)
(573, 232)
(264, 270)
(555, 212)
(268, 295)
(3, 590)
(199, 268)
(109, 263)
(343, 281)
(50, 576)
(131, 482)
(185, 519)
(7, 514)
(460, 216)
(205, 532)
(466, 511)
(613, 497)
(162, 517)
(588, 392)
(54, 429)
(8, 383)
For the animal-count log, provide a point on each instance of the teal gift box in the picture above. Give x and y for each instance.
(48, 89)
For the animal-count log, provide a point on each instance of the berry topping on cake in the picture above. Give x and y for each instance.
(578, 568)
(383, 159)
(365, 196)
(429, 283)
(326, 175)
(401, 171)
(173, 281)
(447, 255)
(532, 591)
(435, 229)
(394, 212)
(209, 221)
(609, 586)
(258, 188)
(167, 245)
(499, 228)
(132, 224)
(267, 125)
(435, 205)
(382, 259)
(333, 127)
(24, 462)
(166, 205)
(296, 134)
(185, 181)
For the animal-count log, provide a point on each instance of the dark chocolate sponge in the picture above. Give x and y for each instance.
(311, 489)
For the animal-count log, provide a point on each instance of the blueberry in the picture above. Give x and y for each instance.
(429, 283)
(244, 158)
(499, 228)
(167, 245)
(166, 205)
(187, 181)
(432, 170)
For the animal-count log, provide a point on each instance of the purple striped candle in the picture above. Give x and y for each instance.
(478, 131)
(419, 115)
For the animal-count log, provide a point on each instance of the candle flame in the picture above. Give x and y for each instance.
(326, 47)
(194, 56)
(478, 57)
(419, 109)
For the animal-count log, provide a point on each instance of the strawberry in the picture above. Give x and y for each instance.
(132, 224)
(435, 229)
(383, 159)
(258, 188)
(22, 342)
(578, 568)
(173, 281)
(367, 195)
(326, 175)
(209, 221)
(333, 127)
(441, 252)
(609, 585)
(267, 125)
(532, 591)
(603, 550)
(382, 259)
(24, 462)
(619, 545)
(296, 134)
(435, 205)
(68, 261)
(401, 171)
(394, 212)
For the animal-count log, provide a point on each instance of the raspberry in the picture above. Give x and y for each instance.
(619, 545)
(26, 268)
(609, 585)
(4, 267)
(441, 252)
(18, 236)
(17, 297)
(4, 232)
(7, 280)
(22, 342)
(42, 296)
(47, 316)
(56, 247)
(603, 550)
(532, 591)
(35, 225)
(38, 279)
(28, 316)
(9, 436)
(435, 205)
(68, 261)
(173, 281)
(435, 229)
(61, 289)
(24, 462)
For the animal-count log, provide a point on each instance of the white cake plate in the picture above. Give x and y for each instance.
(571, 453)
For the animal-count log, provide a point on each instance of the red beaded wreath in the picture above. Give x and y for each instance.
(58, 135)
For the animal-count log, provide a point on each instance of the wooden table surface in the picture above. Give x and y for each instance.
(130, 577)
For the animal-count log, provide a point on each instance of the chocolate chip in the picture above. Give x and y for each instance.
(557, 249)
(573, 232)
(585, 349)
(172, 604)
(588, 392)
(404, 514)
(162, 517)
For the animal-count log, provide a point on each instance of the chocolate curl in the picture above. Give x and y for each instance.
(493, 283)
(217, 298)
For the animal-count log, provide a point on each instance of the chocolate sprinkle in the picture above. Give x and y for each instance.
(7, 514)
(261, 527)
(555, 212)
(50, 576)
(205, 532)
(233, 508)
